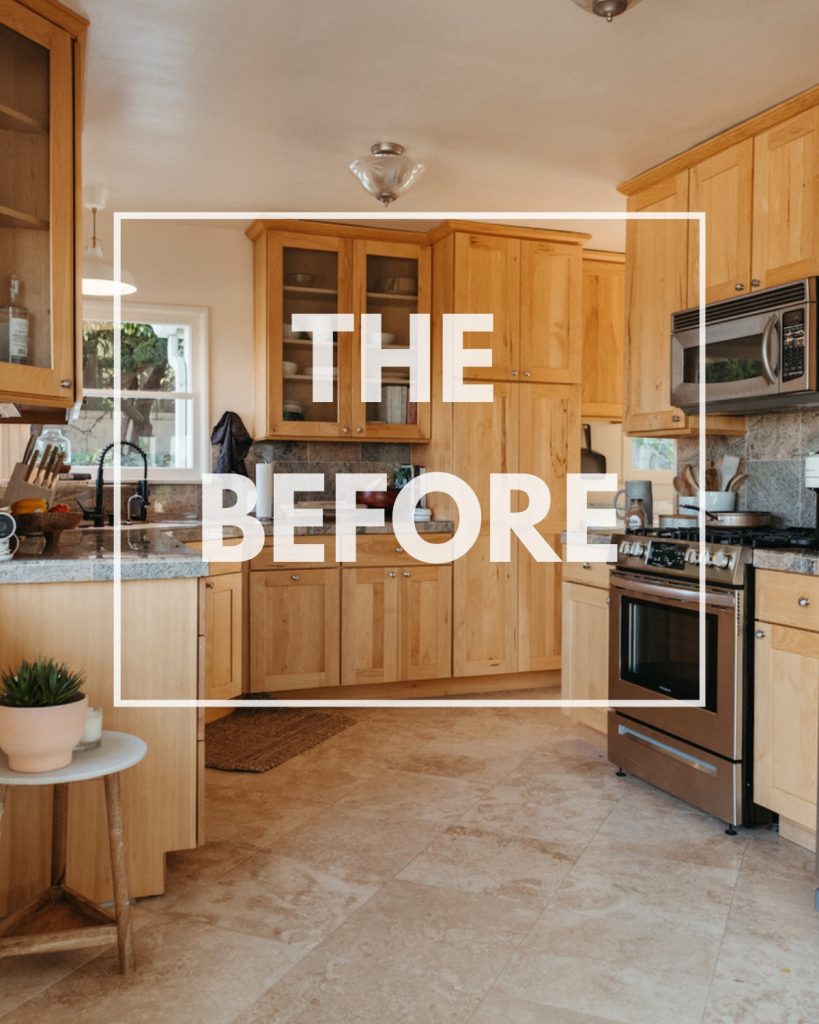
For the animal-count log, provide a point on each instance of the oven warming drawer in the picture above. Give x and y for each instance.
(704, 780)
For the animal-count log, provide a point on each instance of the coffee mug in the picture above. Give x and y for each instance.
(635, 489)
(6, 551)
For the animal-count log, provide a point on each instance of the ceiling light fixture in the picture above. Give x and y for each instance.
(608, 9)
(98, 272)
(387, 173)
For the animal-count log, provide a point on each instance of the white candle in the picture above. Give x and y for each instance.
(92, 733)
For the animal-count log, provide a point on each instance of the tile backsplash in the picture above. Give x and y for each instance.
(772, 454)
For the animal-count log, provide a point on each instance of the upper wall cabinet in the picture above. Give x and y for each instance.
(603, 325)
(40, 58)
(531, 283)
(785, 243)
(309, 268)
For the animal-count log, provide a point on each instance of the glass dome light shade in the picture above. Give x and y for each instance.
(98, 276)
(387, 172)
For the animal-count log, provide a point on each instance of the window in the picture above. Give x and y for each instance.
(163, 390)
(656, 453)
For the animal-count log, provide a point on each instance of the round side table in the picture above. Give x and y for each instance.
(60, 918)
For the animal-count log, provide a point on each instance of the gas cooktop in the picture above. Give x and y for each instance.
(753, 537)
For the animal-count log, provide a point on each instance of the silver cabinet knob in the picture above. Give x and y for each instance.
(405, 572)
(803, 602)
(585, 565)
(399, 550)
(359, 430)
(210, 585)
(66, 383)
(514, 373)
(345, 430)
(759, 634)
(392, 573)
(295, 577)
(676, 419)
(755, 282)
(527, 373)
(739, 287)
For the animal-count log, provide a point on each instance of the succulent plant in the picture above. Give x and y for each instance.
(40, 684)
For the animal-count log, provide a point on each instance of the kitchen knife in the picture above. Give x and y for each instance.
(29, 449)
(30, 472)
(40, 476)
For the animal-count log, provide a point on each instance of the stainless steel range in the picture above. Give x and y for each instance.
(700, 754)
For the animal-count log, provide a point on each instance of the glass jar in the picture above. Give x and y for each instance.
(56, 438)
(635, 516)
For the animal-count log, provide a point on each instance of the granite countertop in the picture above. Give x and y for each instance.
(803, 560)
(88, 554)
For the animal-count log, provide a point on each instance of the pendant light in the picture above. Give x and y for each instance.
(387, 172)
(98, 272)
(608, 9)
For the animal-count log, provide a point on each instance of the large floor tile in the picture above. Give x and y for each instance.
(184, 973)
(395, 795)
(472, 759)
(496, 1008)
(316, 780)
(22, 978)
(475, 860)
(767, 853)
(761, 1002)
(238, 814)
(205, 863)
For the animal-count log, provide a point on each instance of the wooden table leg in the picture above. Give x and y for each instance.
(119, 873)
(59, 833)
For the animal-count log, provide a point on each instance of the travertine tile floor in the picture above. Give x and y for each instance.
(442, 866)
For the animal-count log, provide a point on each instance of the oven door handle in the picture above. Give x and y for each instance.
(671, 591)
(665, 748)
(770, 332)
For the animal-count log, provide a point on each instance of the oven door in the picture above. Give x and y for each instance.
(654, 654)
(742, 360)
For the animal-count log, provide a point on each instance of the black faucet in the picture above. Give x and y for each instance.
(97, 514)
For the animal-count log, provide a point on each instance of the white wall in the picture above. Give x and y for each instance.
(200, 265)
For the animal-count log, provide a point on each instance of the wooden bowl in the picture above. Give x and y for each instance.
(48, 524)
(378, 499)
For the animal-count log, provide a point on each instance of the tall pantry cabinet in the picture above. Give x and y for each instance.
(506, 615)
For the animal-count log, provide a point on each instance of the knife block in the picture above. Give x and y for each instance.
(18, 487)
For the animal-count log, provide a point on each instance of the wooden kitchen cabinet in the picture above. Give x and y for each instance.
(294, 629)
(40, 243)
(222, 639)
(485, 612)
(585, 610)
(539, 617)
(721, 187)
(603, 330)
(313, 268)
(396, 624)
(785, 242)
(531, 282)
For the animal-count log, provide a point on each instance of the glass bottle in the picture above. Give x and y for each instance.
(635, 516)
(14, 327)
(56, 438)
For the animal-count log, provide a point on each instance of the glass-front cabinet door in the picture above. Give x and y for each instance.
(310, 275)
(392, 280)
(37, 258)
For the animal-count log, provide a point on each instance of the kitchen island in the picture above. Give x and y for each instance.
(61, 605)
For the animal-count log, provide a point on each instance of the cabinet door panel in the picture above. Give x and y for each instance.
(549, 429)
(487, 280)
(539, 619)
(656, 286)
(485, 439)
(294, 627)
(603, 329)
(485, 612)
(551, 312)
(721, 188)
(369, 646)
(585, 651)
(426, 622)
(223, 636)
(786, 201)
(786, 689)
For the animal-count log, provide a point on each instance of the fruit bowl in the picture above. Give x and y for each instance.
(49, 524)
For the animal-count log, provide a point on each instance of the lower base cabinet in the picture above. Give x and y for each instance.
(786, 699)
(294, 629)
(396, 624)
(585, 671)
(223, 635)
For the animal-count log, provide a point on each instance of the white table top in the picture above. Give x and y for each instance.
(118, 751)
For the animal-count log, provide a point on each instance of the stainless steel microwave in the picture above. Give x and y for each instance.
(760, 352)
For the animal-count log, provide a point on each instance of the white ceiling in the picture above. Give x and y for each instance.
(516, 105)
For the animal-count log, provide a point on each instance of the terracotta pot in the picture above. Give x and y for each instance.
(42, 739)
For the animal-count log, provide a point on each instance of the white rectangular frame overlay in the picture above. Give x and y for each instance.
(504, 216)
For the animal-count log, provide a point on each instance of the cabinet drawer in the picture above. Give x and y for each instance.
(264, 560)
(788, 598)
(384, 549)
(593, 574)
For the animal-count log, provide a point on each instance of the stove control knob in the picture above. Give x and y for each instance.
(722, 560)
(638, 549)
(692, 556)
(625, 548)
(709, 558)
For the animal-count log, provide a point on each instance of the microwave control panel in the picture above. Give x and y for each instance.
(793, 345)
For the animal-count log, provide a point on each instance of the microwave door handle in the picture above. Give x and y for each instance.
(769, 332)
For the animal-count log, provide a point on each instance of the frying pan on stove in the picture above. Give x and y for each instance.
(590, 461)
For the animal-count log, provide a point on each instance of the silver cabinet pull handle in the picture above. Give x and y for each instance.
(295, 577)
(739, 287)
(514, 373)
(585, 565)
(675, 419)
(759, 634)
(399, 550)
(392, 573)
(755, 282)
(527, 373)
(803, 602)
(66, 383)
(405, 573)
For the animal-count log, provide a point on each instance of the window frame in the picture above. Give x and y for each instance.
(655, 476)
(196, 319)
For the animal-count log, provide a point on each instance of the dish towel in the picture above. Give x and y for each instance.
(234, 443)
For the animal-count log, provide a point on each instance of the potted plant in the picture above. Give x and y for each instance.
(42, 715)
